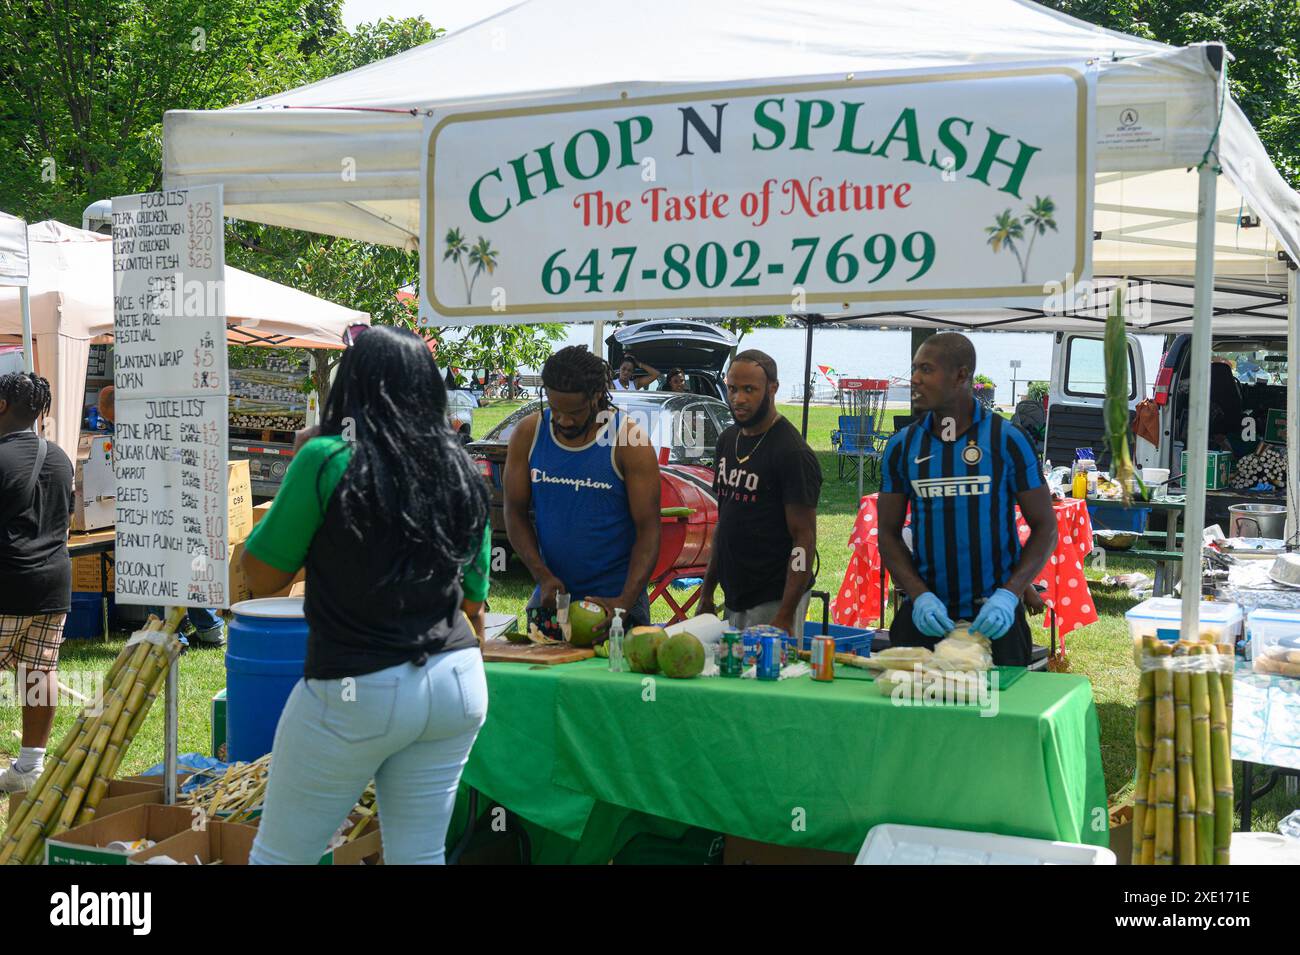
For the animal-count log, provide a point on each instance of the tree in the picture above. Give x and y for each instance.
(1007, 229)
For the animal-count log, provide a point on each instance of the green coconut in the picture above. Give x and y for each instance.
(641, 648)
(681, 656)
(584, 619)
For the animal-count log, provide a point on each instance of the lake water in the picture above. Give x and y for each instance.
(873, 353)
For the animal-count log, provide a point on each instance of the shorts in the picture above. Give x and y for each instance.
(764, 613)
(1015, 648)
(31, 642)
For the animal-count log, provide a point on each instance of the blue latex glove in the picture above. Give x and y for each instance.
(930, 616)
(997, 615)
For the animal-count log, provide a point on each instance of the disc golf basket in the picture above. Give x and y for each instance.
(859, 441)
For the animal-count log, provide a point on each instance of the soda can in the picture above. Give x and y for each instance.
(731, 654)
(823, 658)
(768, 666)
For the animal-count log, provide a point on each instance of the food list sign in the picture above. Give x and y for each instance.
(169, 369)
(961, 189)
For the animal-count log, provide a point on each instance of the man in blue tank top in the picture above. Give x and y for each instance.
(591, 478)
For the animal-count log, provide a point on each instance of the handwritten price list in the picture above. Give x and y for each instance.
(171, 441)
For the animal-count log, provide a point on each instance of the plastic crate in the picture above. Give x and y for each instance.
(86, 618)
(1132, 519)
(891, 844)
(847, 639)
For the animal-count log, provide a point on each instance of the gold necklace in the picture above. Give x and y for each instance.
(739, 459)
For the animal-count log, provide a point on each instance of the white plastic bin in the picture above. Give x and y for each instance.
(1274, 641)
(891, 844)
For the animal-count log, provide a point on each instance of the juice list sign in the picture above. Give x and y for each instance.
(964, 189)
(169, 369)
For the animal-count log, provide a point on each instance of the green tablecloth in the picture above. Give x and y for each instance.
(583, 753)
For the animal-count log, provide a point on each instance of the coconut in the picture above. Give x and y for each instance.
(681, 656)
(641, 648)
(584, 618)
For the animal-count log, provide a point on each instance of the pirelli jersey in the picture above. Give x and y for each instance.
(963, 500)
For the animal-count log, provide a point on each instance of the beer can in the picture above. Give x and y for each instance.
(823, 658)
(768, 666)
(731, 654)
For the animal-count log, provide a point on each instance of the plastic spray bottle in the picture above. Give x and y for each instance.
(616, 642)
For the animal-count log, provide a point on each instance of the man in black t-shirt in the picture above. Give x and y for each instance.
(768, 482)
(35, 569)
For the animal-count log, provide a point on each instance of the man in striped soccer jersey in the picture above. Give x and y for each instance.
(962, 470)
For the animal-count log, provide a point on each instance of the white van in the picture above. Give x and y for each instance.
(1247, 395)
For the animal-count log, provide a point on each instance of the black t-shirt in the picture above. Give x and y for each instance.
(35, 569)
(752, 539)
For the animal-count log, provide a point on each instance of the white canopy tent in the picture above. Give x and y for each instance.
(71, 290)
(343, 156)
(14, 266)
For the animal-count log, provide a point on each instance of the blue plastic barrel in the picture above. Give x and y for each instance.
(266, 646)
(85, 619)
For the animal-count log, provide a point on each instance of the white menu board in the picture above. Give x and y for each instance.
(170, 444)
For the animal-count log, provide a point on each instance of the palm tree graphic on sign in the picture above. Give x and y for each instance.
(480, 256)
(1009, 230)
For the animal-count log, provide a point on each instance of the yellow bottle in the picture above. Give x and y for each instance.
(1079, 488)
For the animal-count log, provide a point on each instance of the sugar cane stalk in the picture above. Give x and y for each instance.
(1199, 680)
(1186, 776)
(1144, 739)
(1221, 768)
(1164, 764)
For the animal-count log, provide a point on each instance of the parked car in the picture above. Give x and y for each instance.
(701, 350)
(1248, 383)
(684, 429)
(460, 412)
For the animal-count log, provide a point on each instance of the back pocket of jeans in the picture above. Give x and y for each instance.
(472, 682)
(356, 710)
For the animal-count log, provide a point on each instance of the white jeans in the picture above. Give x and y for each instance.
(409, 728)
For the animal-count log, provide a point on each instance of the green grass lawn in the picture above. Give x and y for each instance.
(1101, 652)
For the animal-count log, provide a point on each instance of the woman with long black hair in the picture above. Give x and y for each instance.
(385, 509)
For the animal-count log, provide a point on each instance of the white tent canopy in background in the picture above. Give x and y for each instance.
(280, 159)
(13, 250)
(71, 289)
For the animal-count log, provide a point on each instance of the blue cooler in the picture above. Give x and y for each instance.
(266, 647)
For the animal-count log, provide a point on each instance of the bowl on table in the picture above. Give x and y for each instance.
(1286, 570)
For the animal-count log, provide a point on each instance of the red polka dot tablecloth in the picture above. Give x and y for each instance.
(1067, 596)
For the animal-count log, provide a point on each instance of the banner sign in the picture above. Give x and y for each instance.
(170, 441)
(960, 189)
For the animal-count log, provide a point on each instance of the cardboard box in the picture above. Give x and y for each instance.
(1218, 468)
(228, 843)
(738, 851)
(121, 794)
(366, 848)
(86, 845)
(239, 502)
(85, 573)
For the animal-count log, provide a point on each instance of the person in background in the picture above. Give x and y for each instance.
(677, 380)
(36, 500)
(384, 508)
(105, 407)
(768, 483)
(962, 470)
(591, 478)
(628, 379)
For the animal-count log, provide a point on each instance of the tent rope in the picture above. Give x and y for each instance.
(1214, 136)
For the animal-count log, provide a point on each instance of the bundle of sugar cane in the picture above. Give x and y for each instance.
(234, 795)
(79, 770)
(1182, 811)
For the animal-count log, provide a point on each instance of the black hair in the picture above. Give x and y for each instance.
(761, 359)
(409, 482)
(577, 371)
(628, 357)
(954, 350)
(27, 394)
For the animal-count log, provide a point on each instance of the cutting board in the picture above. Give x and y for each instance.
(546, 654)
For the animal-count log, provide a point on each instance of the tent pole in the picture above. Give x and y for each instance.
(1198, 424)
(807, 372)
(598, 338)
(1292, 404)
(29, 353)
